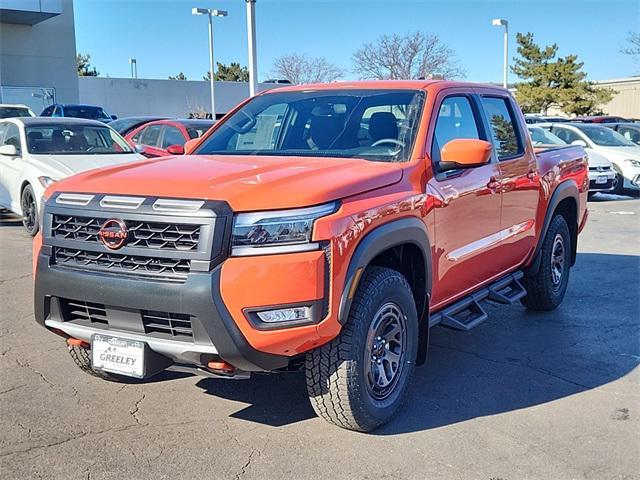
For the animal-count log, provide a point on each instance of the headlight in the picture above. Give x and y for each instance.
(46, 181)
(635, 163)
(282, 231)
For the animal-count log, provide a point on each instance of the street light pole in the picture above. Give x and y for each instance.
(211, 72)
(211, 13)
(251, 40)
(134, 67)
(505, 66)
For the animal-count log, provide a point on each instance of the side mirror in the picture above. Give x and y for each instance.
(139, 148)
(579, 143)
(188, 147)
(175, 149)
(464, 153)
(114, 117)
(9, 150)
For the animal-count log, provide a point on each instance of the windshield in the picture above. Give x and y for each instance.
(378, 125)
(9, 112)
(92, 113)
(540, 136)
(75, 140)
(605, 137)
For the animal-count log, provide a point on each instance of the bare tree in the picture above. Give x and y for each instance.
(410, 56)
(299, 68)
(633, 48)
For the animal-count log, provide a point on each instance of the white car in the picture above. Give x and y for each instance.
(35, 152)
(622, 153)
(602, 176)
(19, 110)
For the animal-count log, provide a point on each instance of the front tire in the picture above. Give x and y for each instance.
(82, 358)
(618, 182)
(29, 211)
(358, 381)
(546, 289)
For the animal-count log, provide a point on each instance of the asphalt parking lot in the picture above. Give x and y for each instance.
(524, 395)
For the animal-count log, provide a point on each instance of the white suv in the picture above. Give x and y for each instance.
(622, 153)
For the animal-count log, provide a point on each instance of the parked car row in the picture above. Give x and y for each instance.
(532, 119)
(622, 153)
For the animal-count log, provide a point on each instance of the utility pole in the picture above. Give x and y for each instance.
(251, 40)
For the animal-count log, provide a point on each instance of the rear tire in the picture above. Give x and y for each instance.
(29, 211)
(546, 289)
(82, 358)
(358, 381)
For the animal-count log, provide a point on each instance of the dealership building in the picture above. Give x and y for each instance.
(38, 68)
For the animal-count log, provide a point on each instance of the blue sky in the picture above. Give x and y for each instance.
(165, 38)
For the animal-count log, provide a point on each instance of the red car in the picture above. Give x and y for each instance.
(603, 119)
(167, 137)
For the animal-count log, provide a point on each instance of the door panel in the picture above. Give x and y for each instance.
(519, 181)
(11, 168)
(467, 213)
(467, 226)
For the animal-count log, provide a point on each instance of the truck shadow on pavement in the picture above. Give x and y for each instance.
(516, 359)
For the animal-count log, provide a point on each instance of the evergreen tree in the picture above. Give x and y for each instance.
(551, 81)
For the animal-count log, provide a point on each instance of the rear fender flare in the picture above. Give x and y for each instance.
(566, 189)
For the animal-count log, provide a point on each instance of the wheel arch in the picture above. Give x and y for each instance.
(402, 245)
(564, 201)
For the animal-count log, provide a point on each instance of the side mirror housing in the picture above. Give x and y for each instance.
(175, 149)
(579, 143)
(9, 150)
(464, 153)
(139, 148)
(188, 147)
(114, 117)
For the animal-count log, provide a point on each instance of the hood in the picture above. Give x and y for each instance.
(245, 182)
(619, 153)
(597, 159)
(61, 166)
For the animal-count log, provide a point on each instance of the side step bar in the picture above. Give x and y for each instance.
(468, 313)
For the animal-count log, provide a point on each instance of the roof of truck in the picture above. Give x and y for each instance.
(382, 84)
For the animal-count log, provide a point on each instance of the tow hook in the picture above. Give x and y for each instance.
(76, 342)
(221, 367)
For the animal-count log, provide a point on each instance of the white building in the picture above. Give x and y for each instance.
(37, 53)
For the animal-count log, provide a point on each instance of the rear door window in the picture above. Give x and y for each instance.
(150, 135)
(503, 125)
(565, 134)
(172, 136)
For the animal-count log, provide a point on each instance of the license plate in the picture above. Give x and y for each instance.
(601, 179)
(118, 355)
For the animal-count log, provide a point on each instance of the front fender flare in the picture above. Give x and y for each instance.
(406, 230)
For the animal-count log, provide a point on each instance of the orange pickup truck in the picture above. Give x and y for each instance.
(321, 228)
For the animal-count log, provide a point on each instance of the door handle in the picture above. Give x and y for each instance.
(494, 184)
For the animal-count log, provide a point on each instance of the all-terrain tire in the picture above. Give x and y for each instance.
(545, 290)
(82, 358)
(338, 373)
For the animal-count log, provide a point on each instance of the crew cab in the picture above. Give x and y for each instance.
(324, 228)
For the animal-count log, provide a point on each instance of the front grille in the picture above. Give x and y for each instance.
(155, 235)
(156, 323)
(167, 268)
(174, 324)
(84, 311)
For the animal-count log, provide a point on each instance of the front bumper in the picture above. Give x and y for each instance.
(215, 334)
(595, 177)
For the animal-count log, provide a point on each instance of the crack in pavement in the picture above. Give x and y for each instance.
(246, 465)
(39, 373)
(513, 364)
(11, 389)
(136, 409)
